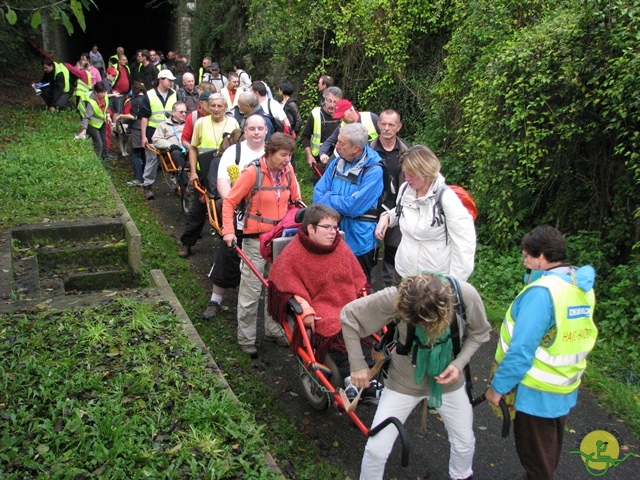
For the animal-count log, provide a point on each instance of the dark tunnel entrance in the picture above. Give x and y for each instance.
(127, 23)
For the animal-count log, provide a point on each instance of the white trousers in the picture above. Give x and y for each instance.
(249, 297)
(457, 414)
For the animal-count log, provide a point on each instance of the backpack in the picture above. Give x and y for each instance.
(243, 210)
(278, 126)
(455, 334)
(293, 114)
(212, 174)
(267, 238)
(439, 216)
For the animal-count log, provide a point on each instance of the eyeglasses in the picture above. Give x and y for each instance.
(329, 227)
(181, 112)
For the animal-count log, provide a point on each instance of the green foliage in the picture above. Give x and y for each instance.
(57, 10)
(546, 110)
(48, 175)
(130, 403)
(498, 278)
(224, 39)
(619, 307)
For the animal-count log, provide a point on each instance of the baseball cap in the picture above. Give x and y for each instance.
(215, 66)
(166, 74)
(341, 107)
(112, 71)
(204, 96)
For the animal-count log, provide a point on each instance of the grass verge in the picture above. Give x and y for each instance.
(117, 391)
(297, 455)
(48, 175)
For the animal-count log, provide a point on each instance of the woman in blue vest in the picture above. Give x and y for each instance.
(93, 123)
(545, 338)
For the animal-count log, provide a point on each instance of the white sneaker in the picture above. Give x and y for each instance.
(350, 389)
(371, 394)
(135, 183)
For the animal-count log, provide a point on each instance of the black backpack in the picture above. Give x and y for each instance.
(212, 174)
(278, 126)
(455, 334)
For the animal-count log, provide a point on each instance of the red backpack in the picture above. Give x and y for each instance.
(288, 222)
(439, 216)
(466, 199)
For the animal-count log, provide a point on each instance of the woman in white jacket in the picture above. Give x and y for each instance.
(437, 238)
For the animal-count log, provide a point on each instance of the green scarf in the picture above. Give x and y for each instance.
(431, 361)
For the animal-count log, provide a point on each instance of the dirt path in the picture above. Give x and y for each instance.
(334, 433)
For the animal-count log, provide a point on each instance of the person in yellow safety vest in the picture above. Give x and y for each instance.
(209, 135)
(155, 108)
(113, 59)
(83, 85)
(204, 72)
(347, 112)
(95, 118)
(57, 94)
(320, 125)
(545, 338)
(84, 82)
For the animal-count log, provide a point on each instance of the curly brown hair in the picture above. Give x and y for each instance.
(426, 300)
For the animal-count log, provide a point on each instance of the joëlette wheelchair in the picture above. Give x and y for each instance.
(321, 382)
(176, 177)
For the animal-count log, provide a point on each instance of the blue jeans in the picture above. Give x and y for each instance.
(137, 162)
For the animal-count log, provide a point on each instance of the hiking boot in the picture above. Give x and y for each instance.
(213, 308)
(184, 252)
(250, 349)
(350, 389)
(280, 340)
(371, 394)
(148, 192)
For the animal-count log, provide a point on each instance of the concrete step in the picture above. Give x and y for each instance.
(96, 255)
(26, 281)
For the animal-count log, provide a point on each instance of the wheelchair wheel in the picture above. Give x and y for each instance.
(316, 394)
(185, 200)
(169, 178)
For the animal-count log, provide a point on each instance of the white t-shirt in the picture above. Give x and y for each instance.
(276, 109)
(229, 158)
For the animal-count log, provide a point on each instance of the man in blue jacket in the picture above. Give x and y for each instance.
(545, 338)
(352, 185)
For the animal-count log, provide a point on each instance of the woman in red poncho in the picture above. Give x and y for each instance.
(320, 271)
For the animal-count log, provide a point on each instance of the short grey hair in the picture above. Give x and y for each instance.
(249, 99)
(218, 96)
(356, 133)
(333, 91)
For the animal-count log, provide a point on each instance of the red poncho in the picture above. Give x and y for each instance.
(328, 277)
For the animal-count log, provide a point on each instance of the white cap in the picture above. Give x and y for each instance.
(166, 74)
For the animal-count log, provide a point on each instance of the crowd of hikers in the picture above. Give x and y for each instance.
(372, 189)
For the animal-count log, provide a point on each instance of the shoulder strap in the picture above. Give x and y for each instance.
(399, 198)
(256, 188)
(238, 148)
(269, 110)
(456, 334)
(439, 216)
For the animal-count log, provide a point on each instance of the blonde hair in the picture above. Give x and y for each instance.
(207, 87)
(426, 300)
(419, 160)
